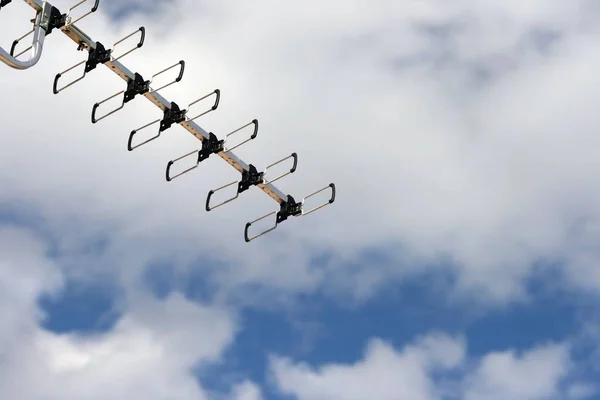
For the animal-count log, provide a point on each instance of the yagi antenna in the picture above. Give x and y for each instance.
(49, 18)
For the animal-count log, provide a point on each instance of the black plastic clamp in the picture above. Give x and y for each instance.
(251, 177)
(212, 145)
(56, 21)
(173, 115)
(99, 55)
(135, 86)
(289, 208)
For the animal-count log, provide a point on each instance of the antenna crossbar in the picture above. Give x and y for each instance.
(49, 18)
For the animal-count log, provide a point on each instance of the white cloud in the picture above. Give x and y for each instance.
(383, 373)
(472, 144)
(451, 128)
(246, 391)
(534, 375)
(435, 367)
(149, 354)
(385, 100)
(24, 274)
(582, 391)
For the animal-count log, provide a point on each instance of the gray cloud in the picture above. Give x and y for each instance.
(480, 151)
(435, 366)
(461, 136)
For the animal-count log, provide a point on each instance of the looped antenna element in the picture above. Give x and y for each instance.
(136, 86)
(142, 31)
(252, 137)
(216, 93)
(170, 164)
(330, 201)
(97, 55)
(250, 177)
(181, 65)
(289, 208)
(71, 21)
(210, 145)
(172, 115)
(291, 171)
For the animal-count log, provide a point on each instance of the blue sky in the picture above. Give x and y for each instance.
(322, 330)
(459, 260)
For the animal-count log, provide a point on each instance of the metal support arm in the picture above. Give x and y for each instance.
(40, 27)
(46, 20)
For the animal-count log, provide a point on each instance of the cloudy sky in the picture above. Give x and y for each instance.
(459, 261)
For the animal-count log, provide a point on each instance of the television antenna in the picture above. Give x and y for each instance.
(49, 18)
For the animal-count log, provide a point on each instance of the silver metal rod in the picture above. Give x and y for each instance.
(58, 90)
(314, 209)
(238, 129)
(148, 124)
(330, 186)
(180, 63)
(143, 34)
(70, 21)
(276, 163)
(253, 122)
(216, 93)
(172, 162)
(224, 186)
(23, 52)
(75, 6)
(25, 35)
(209, 208)
(80, 18)
(263, 217)
(130, 147)
(94, 119)
(185, 155)
(291, 171)
(73, 67)
(111, 97)
(39, 34)
(227, 150)
(125, 38)
(250, 238)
